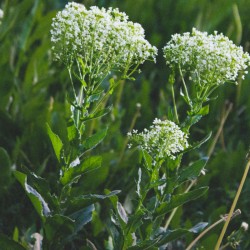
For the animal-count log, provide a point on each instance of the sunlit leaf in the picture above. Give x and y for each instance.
(37, 200)
(180, 199)
(88, 164)
(56, 142)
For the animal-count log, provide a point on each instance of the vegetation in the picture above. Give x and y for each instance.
(84, 163)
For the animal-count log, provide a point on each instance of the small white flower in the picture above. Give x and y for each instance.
(163, 139)
(103, 39)
(244, 225)
(209, 59)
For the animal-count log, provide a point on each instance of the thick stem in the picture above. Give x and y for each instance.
(185, 88)
(174, 103)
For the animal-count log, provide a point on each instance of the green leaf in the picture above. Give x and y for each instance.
(72, 131)
(59, 227)
(199, 143)
(189, 121)
(42, 187)
(82, 217)
(37, 200)
(204, 110)
(111, 85)
(95, 139)
(56, 142)
(180, 199)
(85, 200)
(171, 235)
(89, 164)
(147, 159)
(95, 97)
(15, 236)
(193, 171)
(9, 244)
(97, 114)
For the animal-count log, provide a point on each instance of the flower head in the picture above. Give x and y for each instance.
(103, 39)
(208, 59)
(163, 139)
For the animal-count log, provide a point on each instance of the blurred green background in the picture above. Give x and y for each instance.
(33, 91)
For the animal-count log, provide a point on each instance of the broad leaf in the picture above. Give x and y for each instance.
(204, 110)
(89, 164)
(37, 200)
(97, 114)
(178, 200)
(82, 217)
(95, 97)
(147, 159)
(59, 228)
(171, 235)
(95, 139)
(72, 131)
(86, 200)
(193, 171)
(42, 187)
(56, 142)
(190, 120)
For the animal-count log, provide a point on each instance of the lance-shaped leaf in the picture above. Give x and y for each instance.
(193, 171)
(89, 164)
(82, 217)
(59, 227)
(199, 143)
(178, 200)
(37, 200)
(171, 235)
(56, 142)
(88, 199)
(72, 131)
(94, 140)
(97, 114)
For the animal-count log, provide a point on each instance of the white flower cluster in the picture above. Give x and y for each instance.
(209, 59)
(104, 40)
(163, 139)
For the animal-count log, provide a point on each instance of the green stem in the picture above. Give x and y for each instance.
(185, 87)
(233, 206)
(174, 103)
(80, 99)
(71, 80)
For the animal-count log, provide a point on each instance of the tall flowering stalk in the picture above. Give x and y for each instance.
(207, 61)
(99, 41)
(93, 44)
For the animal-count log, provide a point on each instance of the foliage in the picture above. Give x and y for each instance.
(83, 186)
